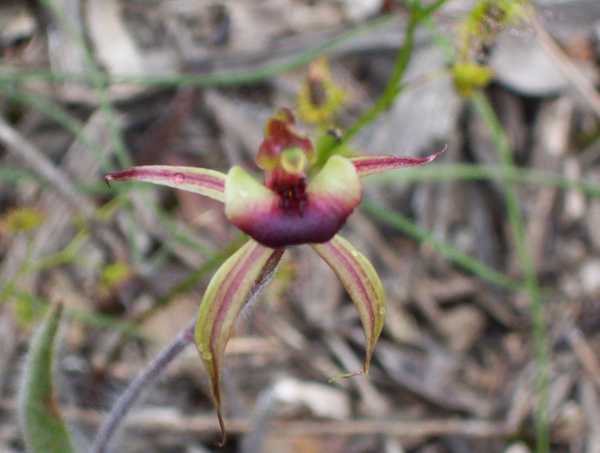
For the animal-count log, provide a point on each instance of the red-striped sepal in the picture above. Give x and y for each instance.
(362, 283)
(374, 164)
(206, 182)
(233, 285)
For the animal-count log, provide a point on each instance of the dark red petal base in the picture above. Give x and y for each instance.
(275, 227)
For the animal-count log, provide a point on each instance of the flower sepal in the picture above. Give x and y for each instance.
(236, 282)
(361, 282)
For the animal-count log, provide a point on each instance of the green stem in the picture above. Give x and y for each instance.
(441, 172)
(484, 108)
(394, 86)
(220, 78)
(406, 226)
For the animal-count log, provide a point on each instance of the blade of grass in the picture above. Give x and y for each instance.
(485, 110)
(42, 423)
(181, 235)
(66, 255)
(394, 86)
(35, 159)
(221, 78)
(470, 264)
(441, 172)
(14, 175)
(40, 305)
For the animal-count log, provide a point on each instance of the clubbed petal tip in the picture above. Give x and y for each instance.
(233, 285)
(280, 135)
(375, 164)
(206, 182)
(362, 283)
(275, 221)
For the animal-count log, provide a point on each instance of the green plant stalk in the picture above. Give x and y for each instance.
(441, 172)
(393, 88)
(65, 256)
(484, 108)
(222, 78)
(42, 424)
(418, 14)
(476, 267)
(15, 175)
(86, 317)
(180, 235)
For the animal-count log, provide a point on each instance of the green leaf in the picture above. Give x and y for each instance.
(469, 77)
(42, 424)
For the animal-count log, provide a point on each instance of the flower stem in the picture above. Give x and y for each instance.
(540, 334)
(394, 86)
(143, 381)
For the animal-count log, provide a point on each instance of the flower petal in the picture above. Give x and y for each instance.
(233, 285)
(206, 182)
(375, 164)
(362, 283)
(244, 195)
(275, 222)
(280, 134)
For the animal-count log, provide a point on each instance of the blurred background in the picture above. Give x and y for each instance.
(490, 256)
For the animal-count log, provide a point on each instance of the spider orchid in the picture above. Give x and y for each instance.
(293, 206)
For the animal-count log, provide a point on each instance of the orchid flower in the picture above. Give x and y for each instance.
(296, 204)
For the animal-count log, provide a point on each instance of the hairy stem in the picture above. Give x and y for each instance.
(143, 381)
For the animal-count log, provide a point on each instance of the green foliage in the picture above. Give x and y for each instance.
(21, 220)
(320, 98)
(43, 426)
(325, 145)
(27, 309)
(517, 223)
(478, 29)
(114, 274)
(394, 86)
(476, 267)
(487, 18)
(469, 77)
